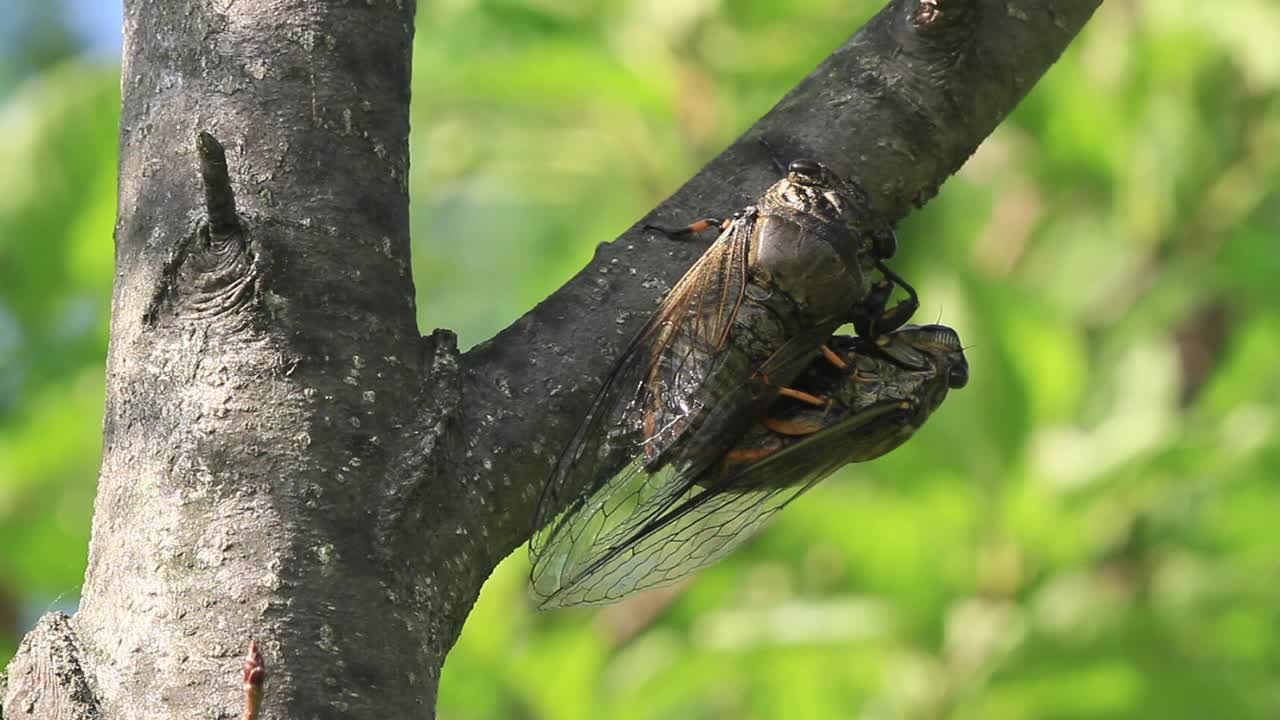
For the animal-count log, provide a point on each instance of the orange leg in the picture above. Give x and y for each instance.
(691, 229)
(834, 358)
(794, 394)
(703, 224)
(803, 396)
(793, 428)
(741, 456)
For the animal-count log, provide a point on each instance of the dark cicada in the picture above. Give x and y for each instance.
(884, 392)
(877, 392)
(744, 321)
(750, 315)
(873, 394)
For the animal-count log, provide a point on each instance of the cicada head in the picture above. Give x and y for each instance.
(944, 344)
(934, 361)
(814, 189)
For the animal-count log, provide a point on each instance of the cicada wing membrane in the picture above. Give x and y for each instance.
(649, 398)
(573, 542)
(629, 541)
(656, 533)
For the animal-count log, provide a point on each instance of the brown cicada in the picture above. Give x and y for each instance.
(746, 320)
(874, 394)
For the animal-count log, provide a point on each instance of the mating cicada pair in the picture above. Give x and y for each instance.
(736, 396)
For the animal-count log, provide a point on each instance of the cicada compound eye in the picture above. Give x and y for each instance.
(802, 166)
(958, 376)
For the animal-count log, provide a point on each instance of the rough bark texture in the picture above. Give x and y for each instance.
(285, 459)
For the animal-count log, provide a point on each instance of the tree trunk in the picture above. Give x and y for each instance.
(285, 459)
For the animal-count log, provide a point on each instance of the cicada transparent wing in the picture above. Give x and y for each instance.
(685, 389)
(665, 526)
(645, 401)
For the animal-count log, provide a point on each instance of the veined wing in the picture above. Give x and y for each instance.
(648, 397)
(647, 530)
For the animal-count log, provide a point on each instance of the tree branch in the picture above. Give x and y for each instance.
(899, 107)
(252, 414)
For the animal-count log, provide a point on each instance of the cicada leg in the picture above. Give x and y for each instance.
(873, 317)
(747, 454)
(834, 358)
(804, 397)
(792, 428)
(691, 229)
(794, 394)
(774, 157)
(742, 456)
(872, 306)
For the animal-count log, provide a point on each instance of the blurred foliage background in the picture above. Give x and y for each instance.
(1088, 530)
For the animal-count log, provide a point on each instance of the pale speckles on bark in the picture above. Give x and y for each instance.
(257, 68)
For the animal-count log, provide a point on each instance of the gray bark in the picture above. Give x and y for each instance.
(285, 459)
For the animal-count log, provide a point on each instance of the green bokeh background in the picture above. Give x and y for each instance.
(1089, 530)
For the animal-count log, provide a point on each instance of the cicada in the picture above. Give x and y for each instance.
(744, 321)
(873, 394)
(748, 317)
(646, 530)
